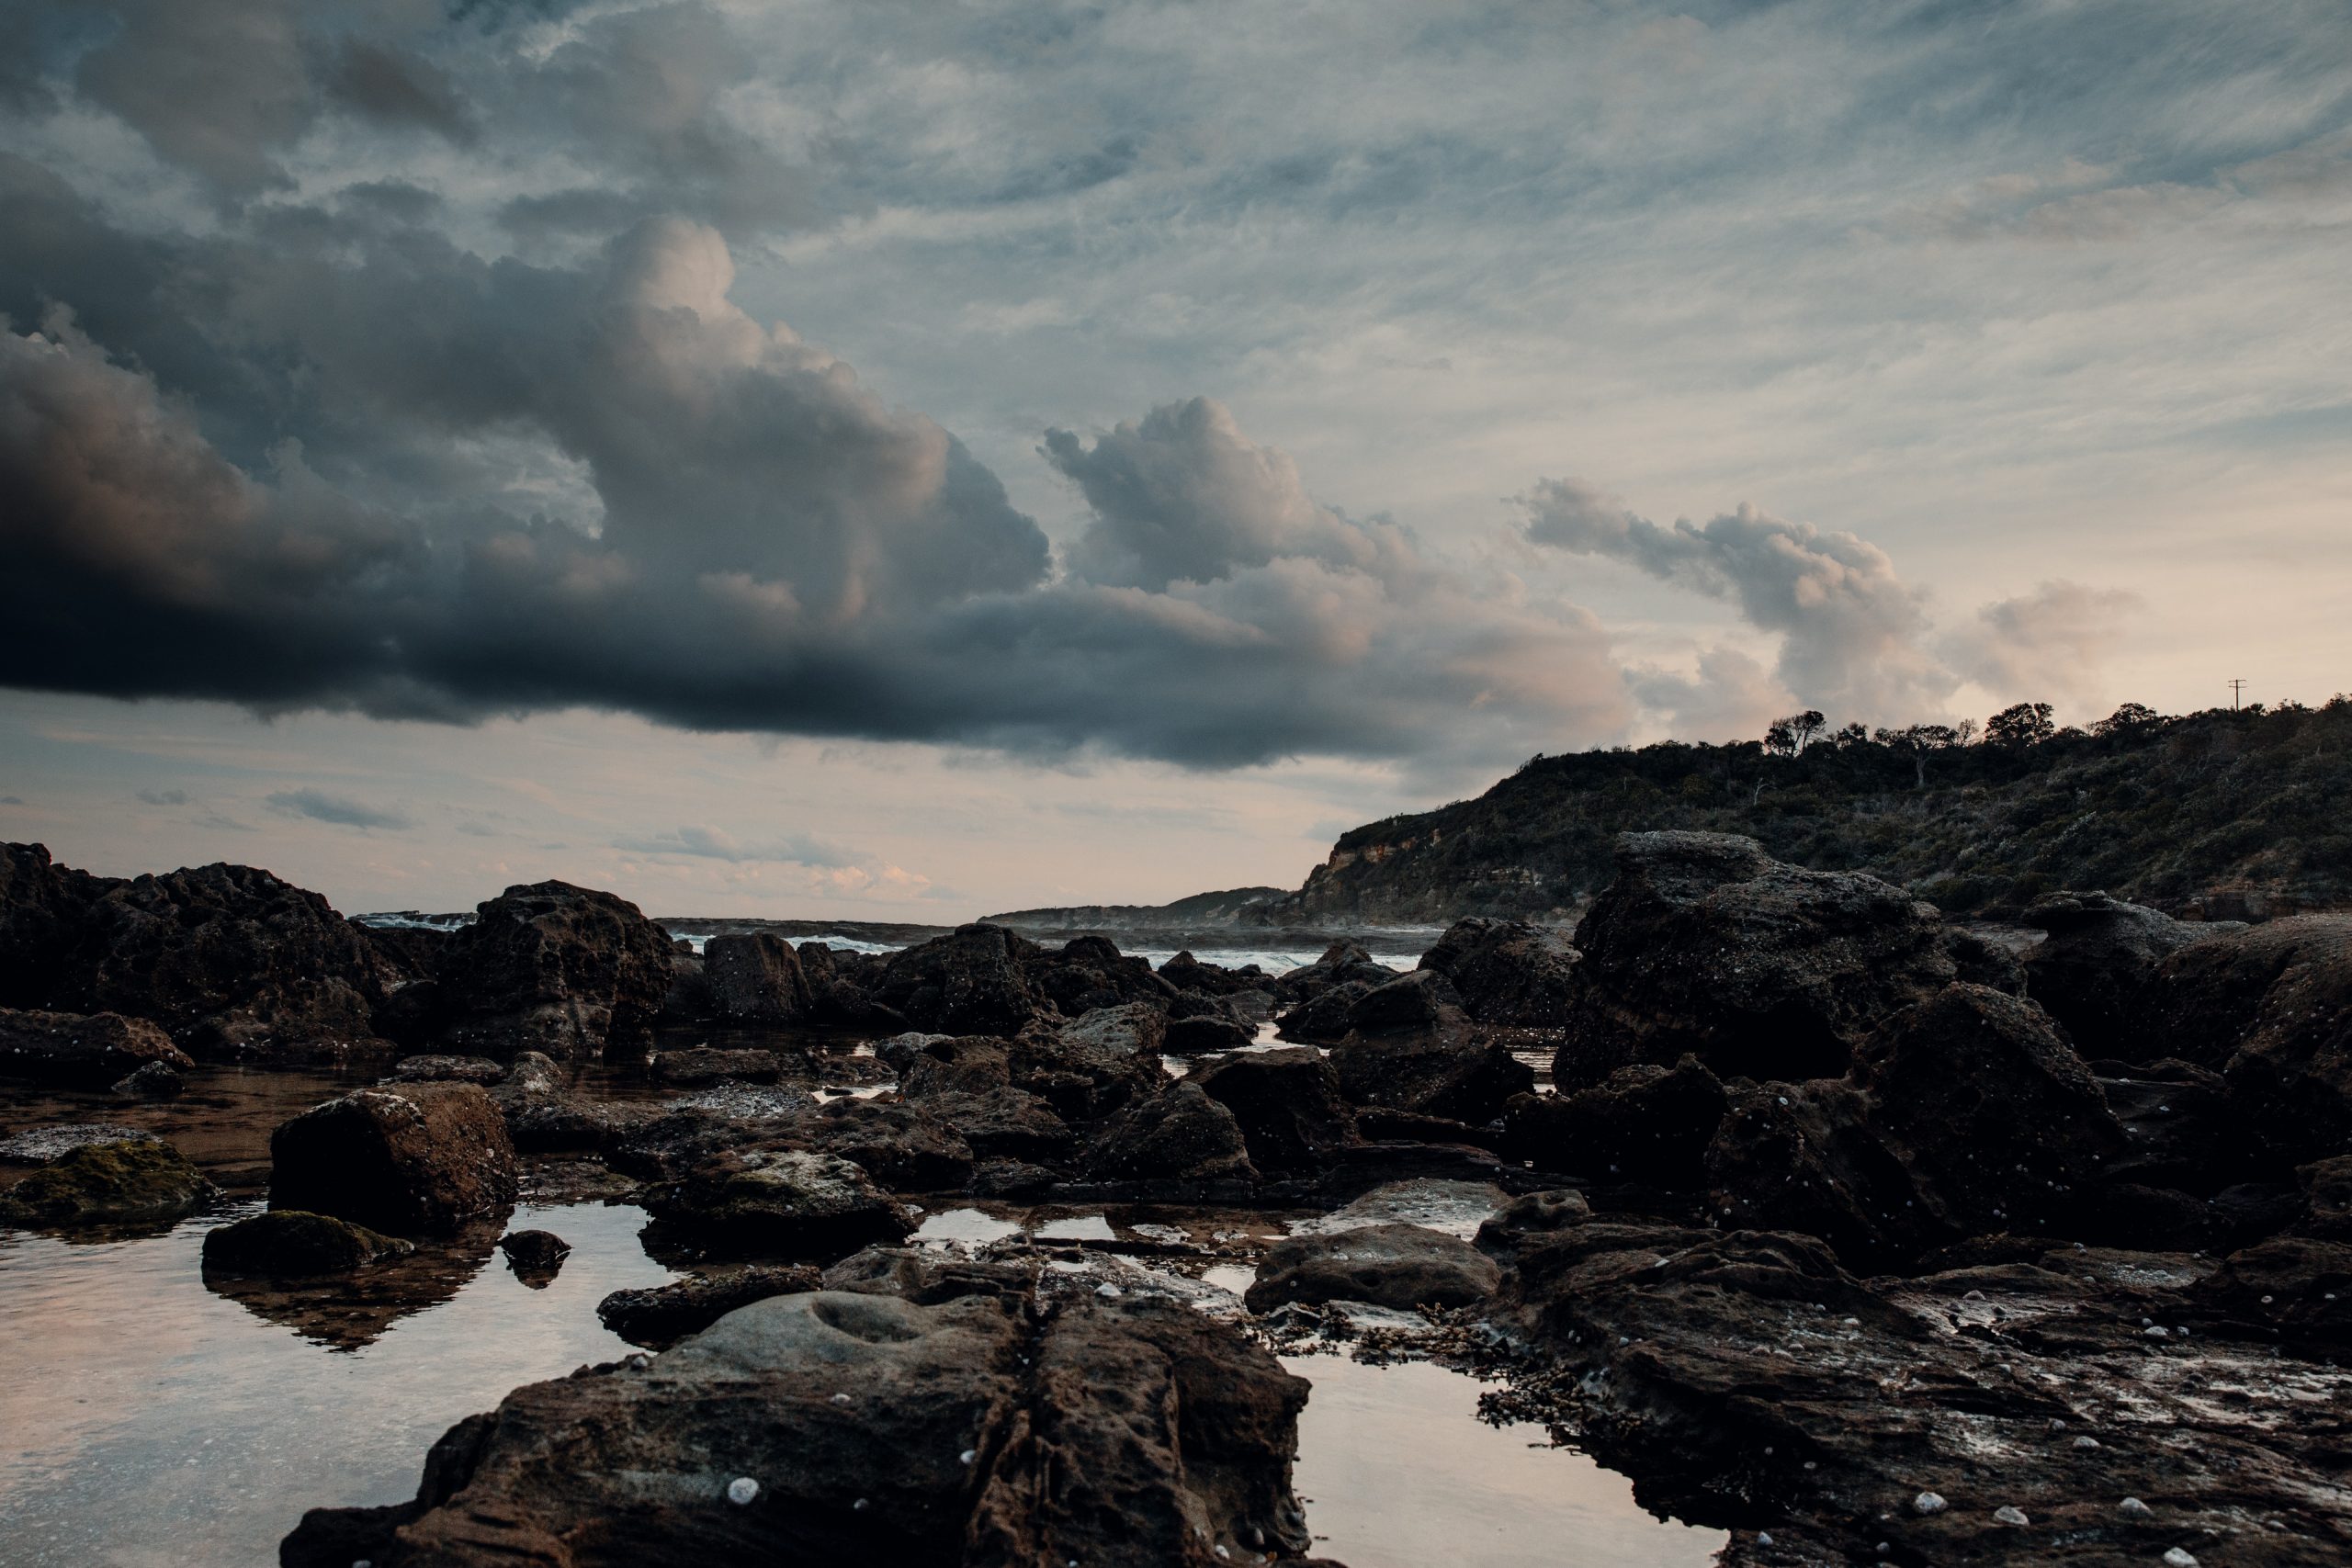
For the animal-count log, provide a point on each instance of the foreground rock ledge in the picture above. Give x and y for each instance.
(842, 1427)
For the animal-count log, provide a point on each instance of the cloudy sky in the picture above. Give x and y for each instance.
(902, 460)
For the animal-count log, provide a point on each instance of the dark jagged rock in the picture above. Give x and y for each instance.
(1288, 1103)
(551, 967)
(1090, 972)
(230, 960)
(1178, 1135)
(2327, 1198)
(295, 1243)
(907, 1149)
(2091, 972)
(2290, 1075)
(1646, 1124)
(1391, 1265)
(973, 981)
(1447, 1075)
(131, 1183)
(1005, 1123)
(410, 1160)
(1327, 1015)
(82, 1050)
(1508, 971)
(1089, 1067)
(1991, 1107)
(537, 1257)
(1747, 1380)
(846, 1426)
(156, 1081)
(1416, 1002)
(660, 1316)
(1187, 973)
(838, 988)
(777, 1203)
(2182, 1128)
(448, 1070)
(705, 1064)
(2298, 1288)
(1705, 945)
(1343, 963)
(756, 978)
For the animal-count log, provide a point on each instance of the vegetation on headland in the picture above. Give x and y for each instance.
(2224, 813)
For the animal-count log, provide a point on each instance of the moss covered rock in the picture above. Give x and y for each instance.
(124, 1183)
(297, 1243)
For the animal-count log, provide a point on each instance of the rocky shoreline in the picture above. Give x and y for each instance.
(1831, 1224)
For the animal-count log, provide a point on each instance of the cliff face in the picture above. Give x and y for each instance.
(2219, 814)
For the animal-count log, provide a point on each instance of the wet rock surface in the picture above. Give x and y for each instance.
(553, 968)
(125, 1184)
(1508, 971)
(776, 1203)
(1008, 1426)
(660, 1316)
(75, 1048)
(408, 1159)
(1396, 1266)
(295, 1243)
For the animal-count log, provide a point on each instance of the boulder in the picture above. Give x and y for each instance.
(156, 1081)
(82, 1050)
(848, 1426)
(1645, 1124)
(1508, 971)
(1005, 1124)
(1343, 963)
(1187, 973)
(1206, 1033)
(1446, 1073)
(777, 1203)
(1397, 1266)
(2091, 971)
(295, 1243)
(1090, 972)
(409, 1159)
(1090, 1065)
(660, 1316)
(1178, 1135)
(1705, 945)
(1527, 1219)
(2289, 1074)
(535, 1256)
(44, 915)
(1805, 1158)
(972, 981)
(1412, 1003)
(1288, 1103)
(1328, 1014)
(755, 978)
(551, 967)
(132, 1183)
(1997, 1118)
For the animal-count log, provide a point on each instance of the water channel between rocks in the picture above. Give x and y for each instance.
(149, 1419)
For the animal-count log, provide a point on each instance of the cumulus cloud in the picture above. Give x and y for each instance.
(1852, 631)
(1730, 697)
(2051, 643)
(343, 812)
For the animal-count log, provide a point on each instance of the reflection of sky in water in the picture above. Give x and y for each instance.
(1398, 1471)
(145, 1420)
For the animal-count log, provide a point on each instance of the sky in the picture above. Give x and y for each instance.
(904, 461)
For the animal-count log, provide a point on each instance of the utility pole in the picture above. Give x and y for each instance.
(2237, 689)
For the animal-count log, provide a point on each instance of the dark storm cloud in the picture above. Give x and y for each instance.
(496, 488)
(334, 809)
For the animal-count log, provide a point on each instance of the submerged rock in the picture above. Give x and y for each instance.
(1387, 1264)
(295, 1243)
(42, 1145)
(986, 1429)
(660, 1316)
(413, 1159)
(535, 1256)
(130, 1183)
(84, 1050)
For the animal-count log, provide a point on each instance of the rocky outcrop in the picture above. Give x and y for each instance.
(1092, 1065)
(1396, 1266)
(1705, 945)
(2068, 1407)
(973, 981)
(755, 978)
(2092, 971)
(1645, 1124)
(553, 968)
(129, 1184)
(848, 1426)
(1178, 1135)
(1090, 972)
(295, 1243)
(409, 1159)
(232, 962)
(84, 1051)
(1441, 1073)
(1508, 971)
(1287, 1103)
